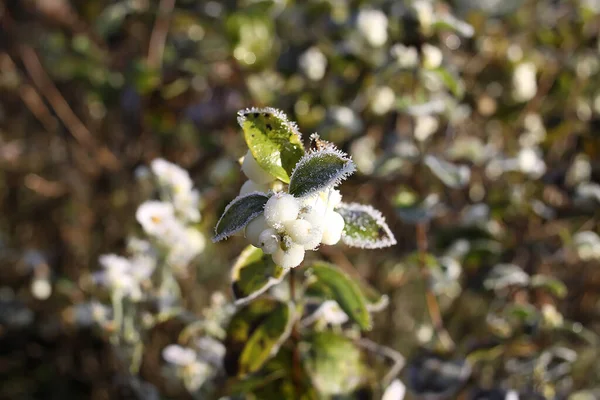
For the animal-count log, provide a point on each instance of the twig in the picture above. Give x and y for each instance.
(158, 38)
(432, 305)
(296, 368)
(384, 351)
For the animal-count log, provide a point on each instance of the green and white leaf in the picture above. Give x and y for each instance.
(553, 285)
(239, 213)
(452, 175)
(334, 363)
(320, 169)
(364, 227)
(253, 274)
(273, 140)
(336, 285)
(255, 334)
(449, 21)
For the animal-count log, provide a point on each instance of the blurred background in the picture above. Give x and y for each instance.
(474, 125)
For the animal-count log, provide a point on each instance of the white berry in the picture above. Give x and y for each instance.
(268, 241)
(280, 208)
(255, 228)
(254, 171)
(299, 230)
(290, 258)
(333, 228)
(250, 186)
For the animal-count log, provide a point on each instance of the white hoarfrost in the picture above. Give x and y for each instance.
(254, 171)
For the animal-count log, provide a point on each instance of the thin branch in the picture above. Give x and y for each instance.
(158, 38)
(387, 352)
(296, 367)
(432, 304)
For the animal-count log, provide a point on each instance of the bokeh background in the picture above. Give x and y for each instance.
(474, 126)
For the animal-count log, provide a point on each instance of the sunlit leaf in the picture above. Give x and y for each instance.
(255, 334)
(254, 273)
(452, 175)
(334, 363)
(341, 288)
(553, 285)
(319, 170)
(274, 141)
(239, 213)
(365, 227)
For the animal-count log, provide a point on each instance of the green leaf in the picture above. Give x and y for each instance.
(365, 227)
(274, 141)
(320, 169)
(553, 285)
(255, 334)
(450, 22)
(253, 274)
(239, 213)
(452, 82)
(334, 363)
(339, 287)
(454, 176)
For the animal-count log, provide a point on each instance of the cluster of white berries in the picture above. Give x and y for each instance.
(289, 226)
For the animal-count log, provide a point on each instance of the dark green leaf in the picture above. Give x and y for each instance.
(253, 274)
(274, 141)
(344, 291)
(365, 227)
(319, 170)
(255, 334)
(334, 363)
(239, 213)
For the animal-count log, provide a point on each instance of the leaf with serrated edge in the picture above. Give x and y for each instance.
(253, 274)
(364, 227)
(320, 169)
(273, 140)
(344, 291)
(239, 213)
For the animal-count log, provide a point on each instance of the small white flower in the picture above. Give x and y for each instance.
(117, 275)
(187, 204)
(373, 25)
(524, 81)
(313, 63)
(178, 355)
(331, 313)
(155, 217)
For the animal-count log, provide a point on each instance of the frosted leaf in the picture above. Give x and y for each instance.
(318, 170)
(239, 213)
(364, 227)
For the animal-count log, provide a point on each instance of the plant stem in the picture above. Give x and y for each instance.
(432, 304)
(296, 367)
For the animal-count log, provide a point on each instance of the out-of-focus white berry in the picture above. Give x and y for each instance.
(178, 355)
(290, 258)
(313, 63)
(432, 56)
(333, 228)
(383, 100)
(254, 171)
(299, 230)
(373, 25)
(280, 208)
(255, 228)
(524, 81)
(268, 241)
(250, 186)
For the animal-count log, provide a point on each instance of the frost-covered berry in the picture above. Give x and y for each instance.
(250, 186)
(280, 208)
(254, 171)
(299, 230)
(255, 228)
(333, 228)
(268, 241)
(290, 258)
(316, 221)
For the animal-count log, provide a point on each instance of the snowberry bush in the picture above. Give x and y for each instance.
(309, 335)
